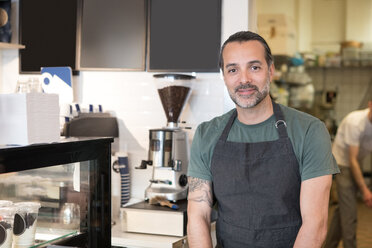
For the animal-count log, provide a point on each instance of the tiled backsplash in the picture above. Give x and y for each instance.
(351, 84)
(133, 98)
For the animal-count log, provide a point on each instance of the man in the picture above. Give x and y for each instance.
(268, 167)
(352, 143)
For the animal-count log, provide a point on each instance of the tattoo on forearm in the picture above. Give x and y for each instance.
(201, 189)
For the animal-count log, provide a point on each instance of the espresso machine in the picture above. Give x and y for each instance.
(168, 152)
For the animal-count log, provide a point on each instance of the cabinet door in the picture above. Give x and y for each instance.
(184, 35)
(113, 35)
(48, 30)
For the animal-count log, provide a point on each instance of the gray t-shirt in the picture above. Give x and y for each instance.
(310, 140)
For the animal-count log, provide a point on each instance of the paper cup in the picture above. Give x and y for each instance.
(25, 221)
(6, 226)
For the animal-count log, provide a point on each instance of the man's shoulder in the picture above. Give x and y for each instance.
(357, 115)
(300, 123)
(292, 114)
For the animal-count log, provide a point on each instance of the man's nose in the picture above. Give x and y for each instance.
(245, 77)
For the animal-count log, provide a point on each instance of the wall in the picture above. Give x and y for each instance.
(350, 83)
(303, 17)
(133, 97)
(328, 27)
(323, 24)
(359, 20)
(277, 7)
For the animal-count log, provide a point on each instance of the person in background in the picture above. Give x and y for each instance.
(268, 167)
(352, 143)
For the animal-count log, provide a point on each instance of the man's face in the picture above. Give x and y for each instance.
(246, 73)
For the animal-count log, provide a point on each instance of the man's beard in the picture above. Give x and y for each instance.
(254, 98)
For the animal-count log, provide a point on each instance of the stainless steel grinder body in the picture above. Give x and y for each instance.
(168, 154)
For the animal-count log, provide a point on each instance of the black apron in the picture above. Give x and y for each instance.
(257, 188)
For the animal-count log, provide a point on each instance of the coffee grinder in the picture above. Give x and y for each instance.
(168, 152)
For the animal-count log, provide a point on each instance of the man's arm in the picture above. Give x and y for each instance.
(314, 199)
(358, 175)
(199, 209)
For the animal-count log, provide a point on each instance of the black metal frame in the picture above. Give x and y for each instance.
(96, 231)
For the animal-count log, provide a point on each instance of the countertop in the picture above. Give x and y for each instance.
(138, 240)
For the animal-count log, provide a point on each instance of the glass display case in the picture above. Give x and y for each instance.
(72, 182)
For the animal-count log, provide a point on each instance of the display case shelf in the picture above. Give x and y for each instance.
(47, 236)
(4, 45)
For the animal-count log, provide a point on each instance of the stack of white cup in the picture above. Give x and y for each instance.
(6, 223)
(25, 221)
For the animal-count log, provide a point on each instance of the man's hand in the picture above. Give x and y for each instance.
(358, 175)
(367, 198)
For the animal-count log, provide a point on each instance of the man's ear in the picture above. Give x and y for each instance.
(272, 71)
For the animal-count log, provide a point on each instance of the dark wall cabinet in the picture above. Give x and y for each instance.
(113, 35)
(184, 35)
(48, 30)
(153, 35)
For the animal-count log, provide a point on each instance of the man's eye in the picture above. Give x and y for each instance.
(255, 68)
(231, 70)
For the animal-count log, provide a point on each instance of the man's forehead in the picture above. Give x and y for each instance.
(239, 47)
(255, 43)
(251, 50)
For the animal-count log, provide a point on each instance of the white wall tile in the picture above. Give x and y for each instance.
(351, 84)
(134, 100)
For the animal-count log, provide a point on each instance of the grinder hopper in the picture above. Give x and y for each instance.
(174, 91)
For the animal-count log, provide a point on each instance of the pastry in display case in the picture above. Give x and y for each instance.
(56, 194)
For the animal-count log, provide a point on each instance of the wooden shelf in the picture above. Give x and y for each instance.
(338, 67)
(4, 45)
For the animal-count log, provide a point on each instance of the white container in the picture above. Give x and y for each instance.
(6, 226)
(365, 57)
(29, 118)
(25, 222)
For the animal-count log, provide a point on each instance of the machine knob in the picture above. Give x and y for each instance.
(183, 180)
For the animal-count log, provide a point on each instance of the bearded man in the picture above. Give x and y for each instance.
(265, 167)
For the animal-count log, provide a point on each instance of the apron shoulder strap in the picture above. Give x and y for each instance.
(280, 123)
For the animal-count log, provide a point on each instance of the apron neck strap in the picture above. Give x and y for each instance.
(280, 123)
